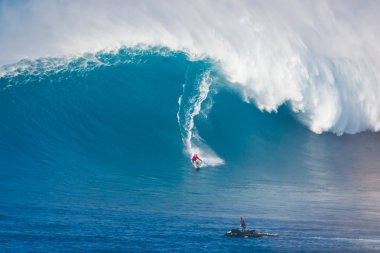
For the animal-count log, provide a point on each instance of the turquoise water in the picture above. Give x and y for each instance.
(94, 157)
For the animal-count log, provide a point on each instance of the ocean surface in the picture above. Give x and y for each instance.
(102, 106)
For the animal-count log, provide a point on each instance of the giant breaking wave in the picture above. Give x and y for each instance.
(321, 59)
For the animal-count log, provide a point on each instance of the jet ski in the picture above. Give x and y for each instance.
(248, 234)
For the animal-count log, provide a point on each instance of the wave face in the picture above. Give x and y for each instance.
(121, 106)
(117, 108)
(129, 104)
(320, 59)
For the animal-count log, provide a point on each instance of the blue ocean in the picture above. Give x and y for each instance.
(96, 146)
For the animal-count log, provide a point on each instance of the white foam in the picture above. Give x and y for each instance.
(322, 57)
(192, 140)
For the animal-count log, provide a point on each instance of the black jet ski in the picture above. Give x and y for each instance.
(248, 234)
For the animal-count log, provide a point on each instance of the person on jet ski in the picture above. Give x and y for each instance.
(242, 224)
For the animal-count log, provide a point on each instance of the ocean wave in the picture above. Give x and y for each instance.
(321, 59)
(64, 96)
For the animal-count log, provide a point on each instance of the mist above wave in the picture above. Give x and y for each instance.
(321, 58)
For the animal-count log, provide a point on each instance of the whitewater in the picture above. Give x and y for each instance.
(320, 59)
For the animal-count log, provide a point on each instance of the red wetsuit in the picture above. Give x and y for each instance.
(194, 158)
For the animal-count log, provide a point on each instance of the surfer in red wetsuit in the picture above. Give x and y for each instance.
(196, 160)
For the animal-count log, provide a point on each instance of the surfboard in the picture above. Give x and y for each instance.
(196, 165)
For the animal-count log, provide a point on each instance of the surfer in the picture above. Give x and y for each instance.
(242, 224)
(195, 159)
